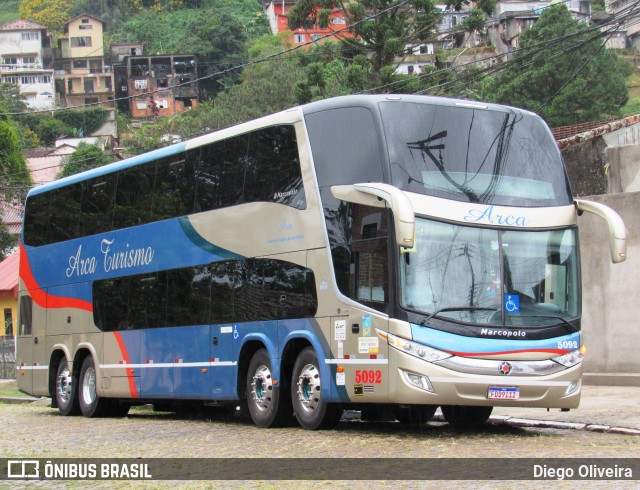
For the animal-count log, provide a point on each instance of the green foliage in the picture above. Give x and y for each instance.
(264, 88)
(383, 37)
(10, 98)
(570, 82)
(475, 21)
(86, 120)
(7, 242)
(53, 14)
(50, 129)
(14, 174)
(9, 11)
(84, 158)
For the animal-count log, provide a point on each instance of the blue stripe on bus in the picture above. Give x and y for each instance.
(148, 248)
(110, 168)
(200, 242)
(461, 345)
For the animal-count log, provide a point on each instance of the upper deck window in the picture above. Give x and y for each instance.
(474, 155)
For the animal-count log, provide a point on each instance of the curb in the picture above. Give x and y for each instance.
(16, 400)
(548, 424)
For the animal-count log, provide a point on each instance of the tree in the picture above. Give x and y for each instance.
(53, 14)
(84, 158)
(7, 242)
(572, 81)
(394, 24)
(10, 98)
(14, 174)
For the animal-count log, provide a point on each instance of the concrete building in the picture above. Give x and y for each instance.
(25, 52)
(158, 85)
(82, 75)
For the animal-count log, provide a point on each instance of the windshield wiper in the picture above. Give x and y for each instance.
(565, 323)
(424, 321)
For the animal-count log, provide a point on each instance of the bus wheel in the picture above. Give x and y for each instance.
(66, 390)
(460, 417)
(311, 410)
(91, 405)
(263, 395)
(414, 414)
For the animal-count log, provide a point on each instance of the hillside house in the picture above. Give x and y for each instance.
(158, 85)
(82, 75)
(276, 12)
(25, 52)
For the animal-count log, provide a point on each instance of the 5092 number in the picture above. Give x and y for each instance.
(368, 376)
(568, 344)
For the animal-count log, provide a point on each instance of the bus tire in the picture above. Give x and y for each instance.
(312, 411)
(267, 406)
(414, 414)
(462, 417)
(91, 405)
(66, 392)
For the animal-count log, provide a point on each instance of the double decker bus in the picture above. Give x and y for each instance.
(368, 252)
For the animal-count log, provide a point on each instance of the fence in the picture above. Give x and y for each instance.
(7, 358)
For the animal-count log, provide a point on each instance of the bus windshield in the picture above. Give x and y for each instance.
(487, 276)
(474, 155)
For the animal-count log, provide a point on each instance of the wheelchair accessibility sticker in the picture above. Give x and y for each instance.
(512, 303)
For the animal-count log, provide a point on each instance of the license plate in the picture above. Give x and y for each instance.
(503, 392)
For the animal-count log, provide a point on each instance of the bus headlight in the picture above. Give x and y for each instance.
(417, 350)
(570, 359)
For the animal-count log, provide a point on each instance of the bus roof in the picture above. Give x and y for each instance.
(370, 101)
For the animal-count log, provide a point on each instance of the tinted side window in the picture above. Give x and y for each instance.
(98, 197)
(36, 220)
(174, 191)
(188, 296)
(134, 196)
(273, 168)
(220, 176)
(64, 207)
(223, 287)
(148, 301)
(222, 292)
(345, 146)
(111, 304)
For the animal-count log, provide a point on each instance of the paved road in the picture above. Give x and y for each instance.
(37, 431)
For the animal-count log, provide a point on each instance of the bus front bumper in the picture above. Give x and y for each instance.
(421, 382)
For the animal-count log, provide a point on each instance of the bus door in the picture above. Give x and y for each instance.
(223, 358)
(24, 342)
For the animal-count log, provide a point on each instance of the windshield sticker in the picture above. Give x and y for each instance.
(366, 326)
(340, 330)
(512, 303)
(368, 345)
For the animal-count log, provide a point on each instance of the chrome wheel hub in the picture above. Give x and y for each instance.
(308, 388)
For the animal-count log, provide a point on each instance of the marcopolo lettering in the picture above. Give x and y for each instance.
(503, 333)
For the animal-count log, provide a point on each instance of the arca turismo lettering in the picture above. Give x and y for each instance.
(490, 215)
(112, 259)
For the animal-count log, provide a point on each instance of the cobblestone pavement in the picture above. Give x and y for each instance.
(37, 431)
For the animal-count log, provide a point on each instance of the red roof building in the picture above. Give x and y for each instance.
(9, 293)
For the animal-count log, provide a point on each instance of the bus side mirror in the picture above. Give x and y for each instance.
(617, 229)
(379, 195)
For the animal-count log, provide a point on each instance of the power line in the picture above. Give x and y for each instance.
(222, 72)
